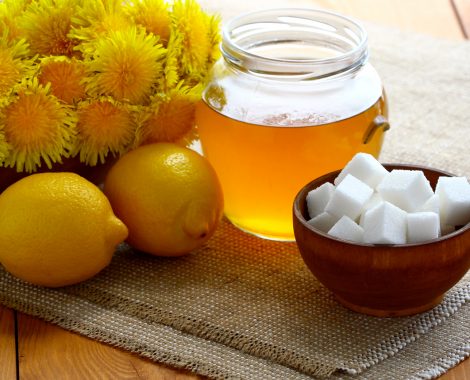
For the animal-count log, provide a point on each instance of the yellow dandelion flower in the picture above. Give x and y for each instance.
(170, 117)
(105, 126)
(46, 25)
(65, 76)
(124, 65)
(4, 148)
(14, 63)
(99, 17)
(172, 66)
(94, 78)
(10, 11)
(195, 35)
(215, 37)
(37, 127)
(153, 15)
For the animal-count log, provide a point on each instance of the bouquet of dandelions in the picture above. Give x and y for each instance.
(92, 79)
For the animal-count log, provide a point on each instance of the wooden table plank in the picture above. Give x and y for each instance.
(462, 8)
(47, 351)
(50, 352)
(7, 344)
(460, 372)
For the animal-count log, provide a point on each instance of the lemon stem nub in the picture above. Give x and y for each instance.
(197, 221)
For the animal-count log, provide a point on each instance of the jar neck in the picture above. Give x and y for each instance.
(295, 44)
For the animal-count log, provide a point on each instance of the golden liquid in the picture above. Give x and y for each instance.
(261, 168)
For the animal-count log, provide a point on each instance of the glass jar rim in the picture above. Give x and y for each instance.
(327, 29)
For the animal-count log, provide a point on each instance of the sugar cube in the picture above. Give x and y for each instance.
(384, 207)
(406, 189)
(349, 197)
(385, 224)
(373, 201)
(454, 195)
(323, 222)
(318, 198)
(446, 181)
(347, 229)
(422, 226)
(364, 167)
(431, 205)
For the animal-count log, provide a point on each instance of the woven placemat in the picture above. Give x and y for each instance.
(247, 308)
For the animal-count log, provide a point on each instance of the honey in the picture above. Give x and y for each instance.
(262, 168)
(286, 105)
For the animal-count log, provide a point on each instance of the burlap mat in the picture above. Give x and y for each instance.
(246, 308)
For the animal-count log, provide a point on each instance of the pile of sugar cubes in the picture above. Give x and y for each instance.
(369, 204)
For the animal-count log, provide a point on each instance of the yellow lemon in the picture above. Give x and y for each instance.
(168, 196)
(57, 229)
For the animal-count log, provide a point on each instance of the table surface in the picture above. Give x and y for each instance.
(33, 349)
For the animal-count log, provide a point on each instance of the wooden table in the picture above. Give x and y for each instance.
(33, 349)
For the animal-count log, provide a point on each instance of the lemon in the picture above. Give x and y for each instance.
(57, 229)
(168, 196)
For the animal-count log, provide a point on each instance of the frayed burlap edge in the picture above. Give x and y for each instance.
(263, 369)
(88, 328)
(210, 332)
(384, 350)
(426, 322)
(442, 365)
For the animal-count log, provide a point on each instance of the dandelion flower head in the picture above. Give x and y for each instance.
(14, 62)
(36, 126)
(124, 64)
(10, 11)
(193, 38)
(153, 15)
(97, 18)
(104, 126)
(175, 109)
(65, 76)
(46, 25)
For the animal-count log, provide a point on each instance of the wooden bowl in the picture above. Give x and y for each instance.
(382, 280)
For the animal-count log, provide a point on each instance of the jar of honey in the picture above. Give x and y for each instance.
(292, 98)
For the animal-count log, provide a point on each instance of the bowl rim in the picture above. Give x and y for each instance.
(302, 193)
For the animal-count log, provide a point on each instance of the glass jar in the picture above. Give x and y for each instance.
(292, 98)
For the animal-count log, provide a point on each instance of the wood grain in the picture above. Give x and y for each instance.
(462, 9)
(7, 344)
(49, 352)
(461, 372)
